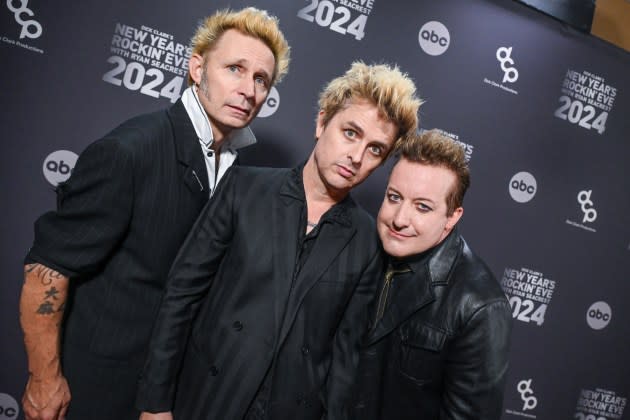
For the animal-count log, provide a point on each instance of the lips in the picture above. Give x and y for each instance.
(344, 171)
(397, 234)
(240, 110)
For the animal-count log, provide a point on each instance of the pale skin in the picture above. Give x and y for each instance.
(349, 148)
(42, 302)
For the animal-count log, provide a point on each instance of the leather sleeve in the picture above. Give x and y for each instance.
(188, 283)
(476, 365)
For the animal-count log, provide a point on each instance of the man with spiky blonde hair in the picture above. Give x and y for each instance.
(267, 300)
(121, 217)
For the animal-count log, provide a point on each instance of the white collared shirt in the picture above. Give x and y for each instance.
(237, 139)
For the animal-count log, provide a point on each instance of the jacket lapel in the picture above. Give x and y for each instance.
(188, 152)
(331, 240)
(285, 224)
(417, 291)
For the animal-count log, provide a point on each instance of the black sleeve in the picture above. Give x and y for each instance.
(93, 211)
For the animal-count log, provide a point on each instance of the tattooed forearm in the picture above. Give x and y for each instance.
(46, 289)
(45, 275)
(47, 307)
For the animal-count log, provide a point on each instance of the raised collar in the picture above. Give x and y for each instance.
(237, 139)
(438, 260)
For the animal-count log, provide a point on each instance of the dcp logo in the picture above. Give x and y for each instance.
(434, 38)
(527, 395)
(271, 105)
(58, 166)
(26, 24)
(584, 198)
(598, 315)
(522, 187)
(510, 74)
(9, 408)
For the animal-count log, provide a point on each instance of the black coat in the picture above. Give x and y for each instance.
(440, 351)
(123, 214)
(234, 290)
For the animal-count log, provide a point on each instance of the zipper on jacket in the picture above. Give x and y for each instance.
(382, 300)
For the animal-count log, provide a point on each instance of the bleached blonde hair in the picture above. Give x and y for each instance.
(391, 90)
(249, 21)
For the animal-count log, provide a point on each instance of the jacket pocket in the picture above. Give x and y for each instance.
(421, 352)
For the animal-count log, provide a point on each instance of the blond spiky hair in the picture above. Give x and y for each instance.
(249, 21)
(392, 91)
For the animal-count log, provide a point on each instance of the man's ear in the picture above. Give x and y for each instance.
(319, 124)
(453, 219)
(195, 68)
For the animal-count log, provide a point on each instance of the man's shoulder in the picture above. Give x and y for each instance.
(472, 277)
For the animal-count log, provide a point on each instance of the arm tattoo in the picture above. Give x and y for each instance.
(44, 274)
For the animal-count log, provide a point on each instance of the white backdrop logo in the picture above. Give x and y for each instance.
(524, 388)
(584, 198)
(434, 38)
(510, 74)
(523, 187)
(30, 28)
(600, 404)
(598, 315)
(9, 408)
(58, 166)
(342, 16)
(271, 105)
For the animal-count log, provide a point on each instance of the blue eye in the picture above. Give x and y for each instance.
(393, 197)
(350, 133)
(424, 208)
(232, 68)
(376, 150)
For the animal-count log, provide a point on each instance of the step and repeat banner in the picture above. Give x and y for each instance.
(541, 110)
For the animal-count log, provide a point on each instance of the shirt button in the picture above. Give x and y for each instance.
(214, 371)
(237, 325)
(305, 351)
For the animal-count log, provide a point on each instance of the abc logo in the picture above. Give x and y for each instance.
(58, 166)
(598, 315)
(434, 38)
(522, 187)
(8, 407)
(271, 104)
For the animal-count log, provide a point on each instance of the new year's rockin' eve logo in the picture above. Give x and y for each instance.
(30, 27)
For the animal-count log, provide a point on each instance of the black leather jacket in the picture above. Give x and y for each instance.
(440, 349)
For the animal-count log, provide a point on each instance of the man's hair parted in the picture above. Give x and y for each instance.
(391, 90)
(249, 21)
(434, 148)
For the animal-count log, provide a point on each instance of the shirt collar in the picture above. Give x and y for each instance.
(237, 139)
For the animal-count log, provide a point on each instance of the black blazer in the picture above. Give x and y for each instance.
(440, 350)
(233, 288)
(121, 217)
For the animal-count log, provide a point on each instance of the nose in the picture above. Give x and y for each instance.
(247, 88)
(401, 217)
(355, 153)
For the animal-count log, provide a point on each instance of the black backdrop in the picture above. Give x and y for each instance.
(541, 109)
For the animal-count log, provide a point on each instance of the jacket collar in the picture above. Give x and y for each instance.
(188, 151)
(416, 290)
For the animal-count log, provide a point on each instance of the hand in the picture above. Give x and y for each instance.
(46, 399)
(167, 415)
